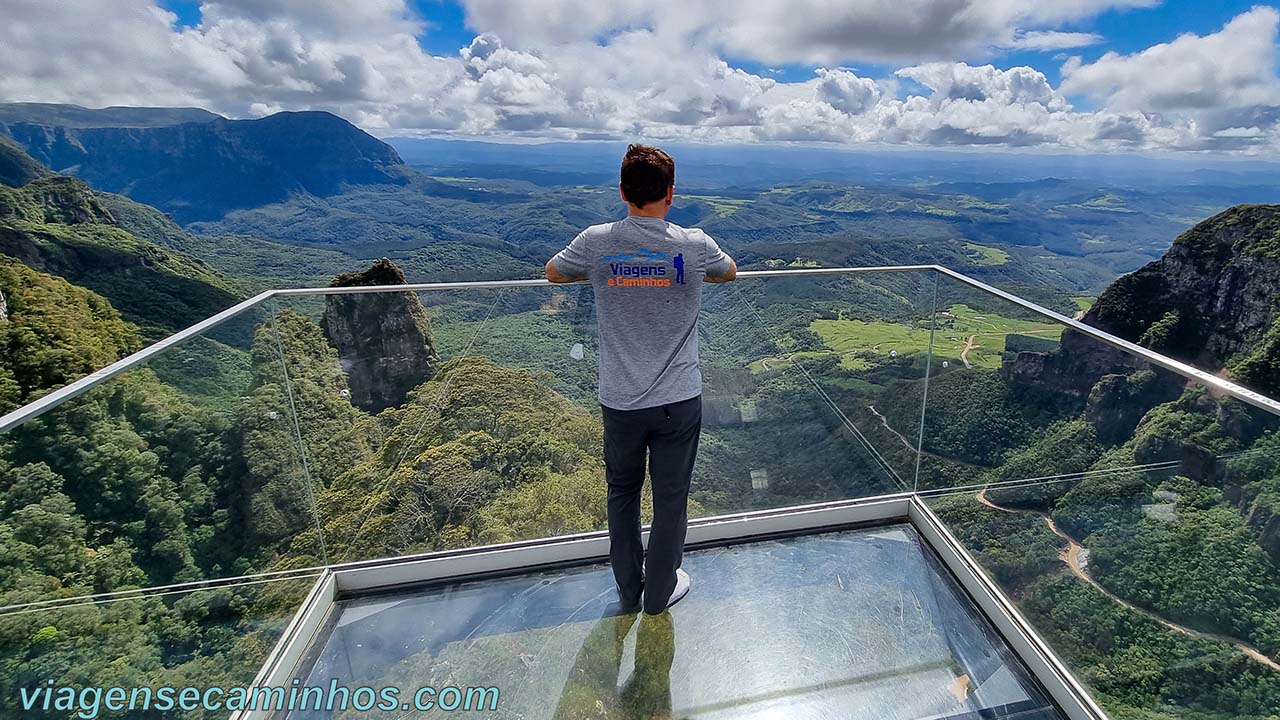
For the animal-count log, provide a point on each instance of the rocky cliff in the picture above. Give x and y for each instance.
(383, 339)
(203, 168)
(1213, 300)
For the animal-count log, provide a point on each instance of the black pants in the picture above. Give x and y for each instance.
(669, 435)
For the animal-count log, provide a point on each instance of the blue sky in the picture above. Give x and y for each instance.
(1083, 75)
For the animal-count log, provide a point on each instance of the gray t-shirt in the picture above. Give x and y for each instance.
(647, 274)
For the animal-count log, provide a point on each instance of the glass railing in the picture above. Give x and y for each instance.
(196, 489)
(1125, 506)
(448, 418)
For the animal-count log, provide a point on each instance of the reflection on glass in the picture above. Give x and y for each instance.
(1124, 507)
(862, 624)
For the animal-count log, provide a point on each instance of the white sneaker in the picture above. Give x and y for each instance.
(682, 587)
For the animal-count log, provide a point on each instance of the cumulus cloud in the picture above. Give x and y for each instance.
(1235, 67)
(582, 68)
(1218, 81)
(846, 92)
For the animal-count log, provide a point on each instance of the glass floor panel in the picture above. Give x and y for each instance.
(854, 624)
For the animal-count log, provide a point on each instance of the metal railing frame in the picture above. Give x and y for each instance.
(79, 387)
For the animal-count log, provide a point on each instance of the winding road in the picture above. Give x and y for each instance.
(885, 422)
(964, 354)
(1071, 556)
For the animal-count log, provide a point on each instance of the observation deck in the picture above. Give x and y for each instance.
(407, 492)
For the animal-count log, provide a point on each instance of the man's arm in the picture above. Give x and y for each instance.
(720, 268)
(555, 276)
(570, 264)
(729, 276)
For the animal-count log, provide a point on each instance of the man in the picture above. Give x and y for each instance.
(650, 384)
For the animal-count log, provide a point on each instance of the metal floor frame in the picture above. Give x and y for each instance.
(351, 580)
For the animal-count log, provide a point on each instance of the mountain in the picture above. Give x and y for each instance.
(198, 166)
(1211, 300)
(58, 225)
(17, 168)
(80, 117)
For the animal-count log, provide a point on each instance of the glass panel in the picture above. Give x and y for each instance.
(180, 469)
(862, 624)
(796, 375)
(446, 419)
(1129, 512)
(215, 638)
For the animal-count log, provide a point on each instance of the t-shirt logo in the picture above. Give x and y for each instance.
(644, 268)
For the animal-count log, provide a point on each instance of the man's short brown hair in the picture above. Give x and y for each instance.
(647, 174)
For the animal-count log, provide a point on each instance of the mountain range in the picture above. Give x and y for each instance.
(196, 165)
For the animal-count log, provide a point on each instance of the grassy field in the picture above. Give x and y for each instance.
(963, 335)
(984, 255)
(724, 206)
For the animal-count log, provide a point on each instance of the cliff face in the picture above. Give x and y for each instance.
(1211, 299)
(200, 170)
(383, 339)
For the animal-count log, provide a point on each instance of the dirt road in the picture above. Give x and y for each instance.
(1071, 556)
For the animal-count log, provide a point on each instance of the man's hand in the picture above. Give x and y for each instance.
(729, 276)
(556, 276)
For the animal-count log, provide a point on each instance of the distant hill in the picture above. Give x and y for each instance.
(80, 117)
(57, 225)
(17, 168)
(199, 166)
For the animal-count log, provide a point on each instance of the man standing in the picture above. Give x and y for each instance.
(650, 384)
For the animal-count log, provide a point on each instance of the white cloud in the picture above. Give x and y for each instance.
(583, 68)
(1235, 67)
(806, 31)
(846, 92)
(1054, 40)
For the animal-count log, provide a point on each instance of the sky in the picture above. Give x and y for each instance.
(1093, 76)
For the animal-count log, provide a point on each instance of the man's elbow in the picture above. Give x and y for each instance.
(729, 275)
(555, 275)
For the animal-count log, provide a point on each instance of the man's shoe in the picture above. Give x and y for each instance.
(682, 588)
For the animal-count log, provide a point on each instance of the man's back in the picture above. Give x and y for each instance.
(647, 274)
